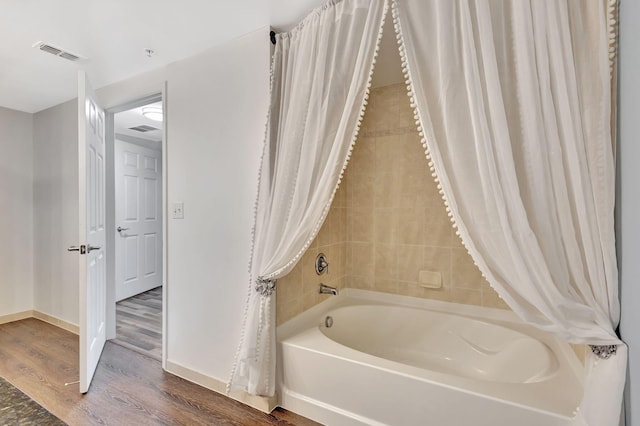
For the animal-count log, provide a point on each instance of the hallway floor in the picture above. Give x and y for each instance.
(139, 323)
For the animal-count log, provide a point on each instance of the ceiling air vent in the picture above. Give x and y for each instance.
(143, 128)
(46, 47)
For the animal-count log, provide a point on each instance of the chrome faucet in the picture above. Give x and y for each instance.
(325, 289)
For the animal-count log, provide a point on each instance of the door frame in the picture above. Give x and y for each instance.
(110, 209)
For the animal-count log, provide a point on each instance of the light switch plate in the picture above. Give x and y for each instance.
(178, 210)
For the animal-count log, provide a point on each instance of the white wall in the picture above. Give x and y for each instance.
(55, 135)
(629, 198)
(216, 111)
(16, 214)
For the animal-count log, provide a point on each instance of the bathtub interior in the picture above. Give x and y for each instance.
(549, 382)
(452, 344)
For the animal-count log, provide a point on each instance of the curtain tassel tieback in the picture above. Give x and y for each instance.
(265, 286)
(604, 351)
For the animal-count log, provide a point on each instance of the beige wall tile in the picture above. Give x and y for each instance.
(438, 231)
(360, 282)
(324, 235)
(340, 198)
(414, 189)
(490, 298)
(361, 190)
(362, 260)
(360, 224)
(334, 228)
(410, 225)
(464, 273)
(388, 154)
(289, 287)
(415, 290)
(310, 299)
(386, 286)
(288, 310)
(336, 268)
(456, 241)
(466, 296)
(385, 111)
(410, 153)
(410, 262)
(438, 259)
(387, 190)
(386, 262)
(384, 226)
(341, 225)
(363, 156)
(309, 277)
(405, 112)
(387, 222)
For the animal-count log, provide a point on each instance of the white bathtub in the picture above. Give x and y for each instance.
(395, 360)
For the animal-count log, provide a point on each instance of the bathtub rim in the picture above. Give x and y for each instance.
(308, 322)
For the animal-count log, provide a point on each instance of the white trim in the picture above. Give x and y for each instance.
(262, 403)
(49, 319)
(4, 319)
(159, 94)
(165, 222)
(110, 214)
(55, 321)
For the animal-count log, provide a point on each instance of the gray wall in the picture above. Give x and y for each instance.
(628, 225)
(16, 214)
(55, 136)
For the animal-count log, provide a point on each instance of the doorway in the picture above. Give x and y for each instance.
(136, 278)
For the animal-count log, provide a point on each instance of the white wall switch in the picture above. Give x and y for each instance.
(178, 210)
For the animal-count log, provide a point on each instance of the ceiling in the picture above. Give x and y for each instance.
(123, 121)
(114, 34)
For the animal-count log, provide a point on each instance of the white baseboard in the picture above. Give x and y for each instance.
(16, 317)
(262, 403)
(60, 323)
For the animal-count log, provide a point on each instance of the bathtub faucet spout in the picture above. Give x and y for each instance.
(325, 289)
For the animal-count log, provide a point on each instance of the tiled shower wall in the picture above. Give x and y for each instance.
(387, 222)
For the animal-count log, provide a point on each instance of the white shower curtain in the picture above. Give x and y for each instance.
(321, 73)
(512, 99)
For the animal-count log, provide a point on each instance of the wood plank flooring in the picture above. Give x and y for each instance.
(128, 388)
(139, 323)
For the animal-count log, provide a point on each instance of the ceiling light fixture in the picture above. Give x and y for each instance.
(152, 113)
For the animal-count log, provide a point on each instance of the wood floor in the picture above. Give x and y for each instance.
(139, 323)
(128, 388)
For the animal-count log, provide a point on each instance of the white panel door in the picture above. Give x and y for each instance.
(138, 231)
(92, 247)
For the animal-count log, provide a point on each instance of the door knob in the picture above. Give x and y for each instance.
(90, 248)
(81, 248)
(120, 229)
